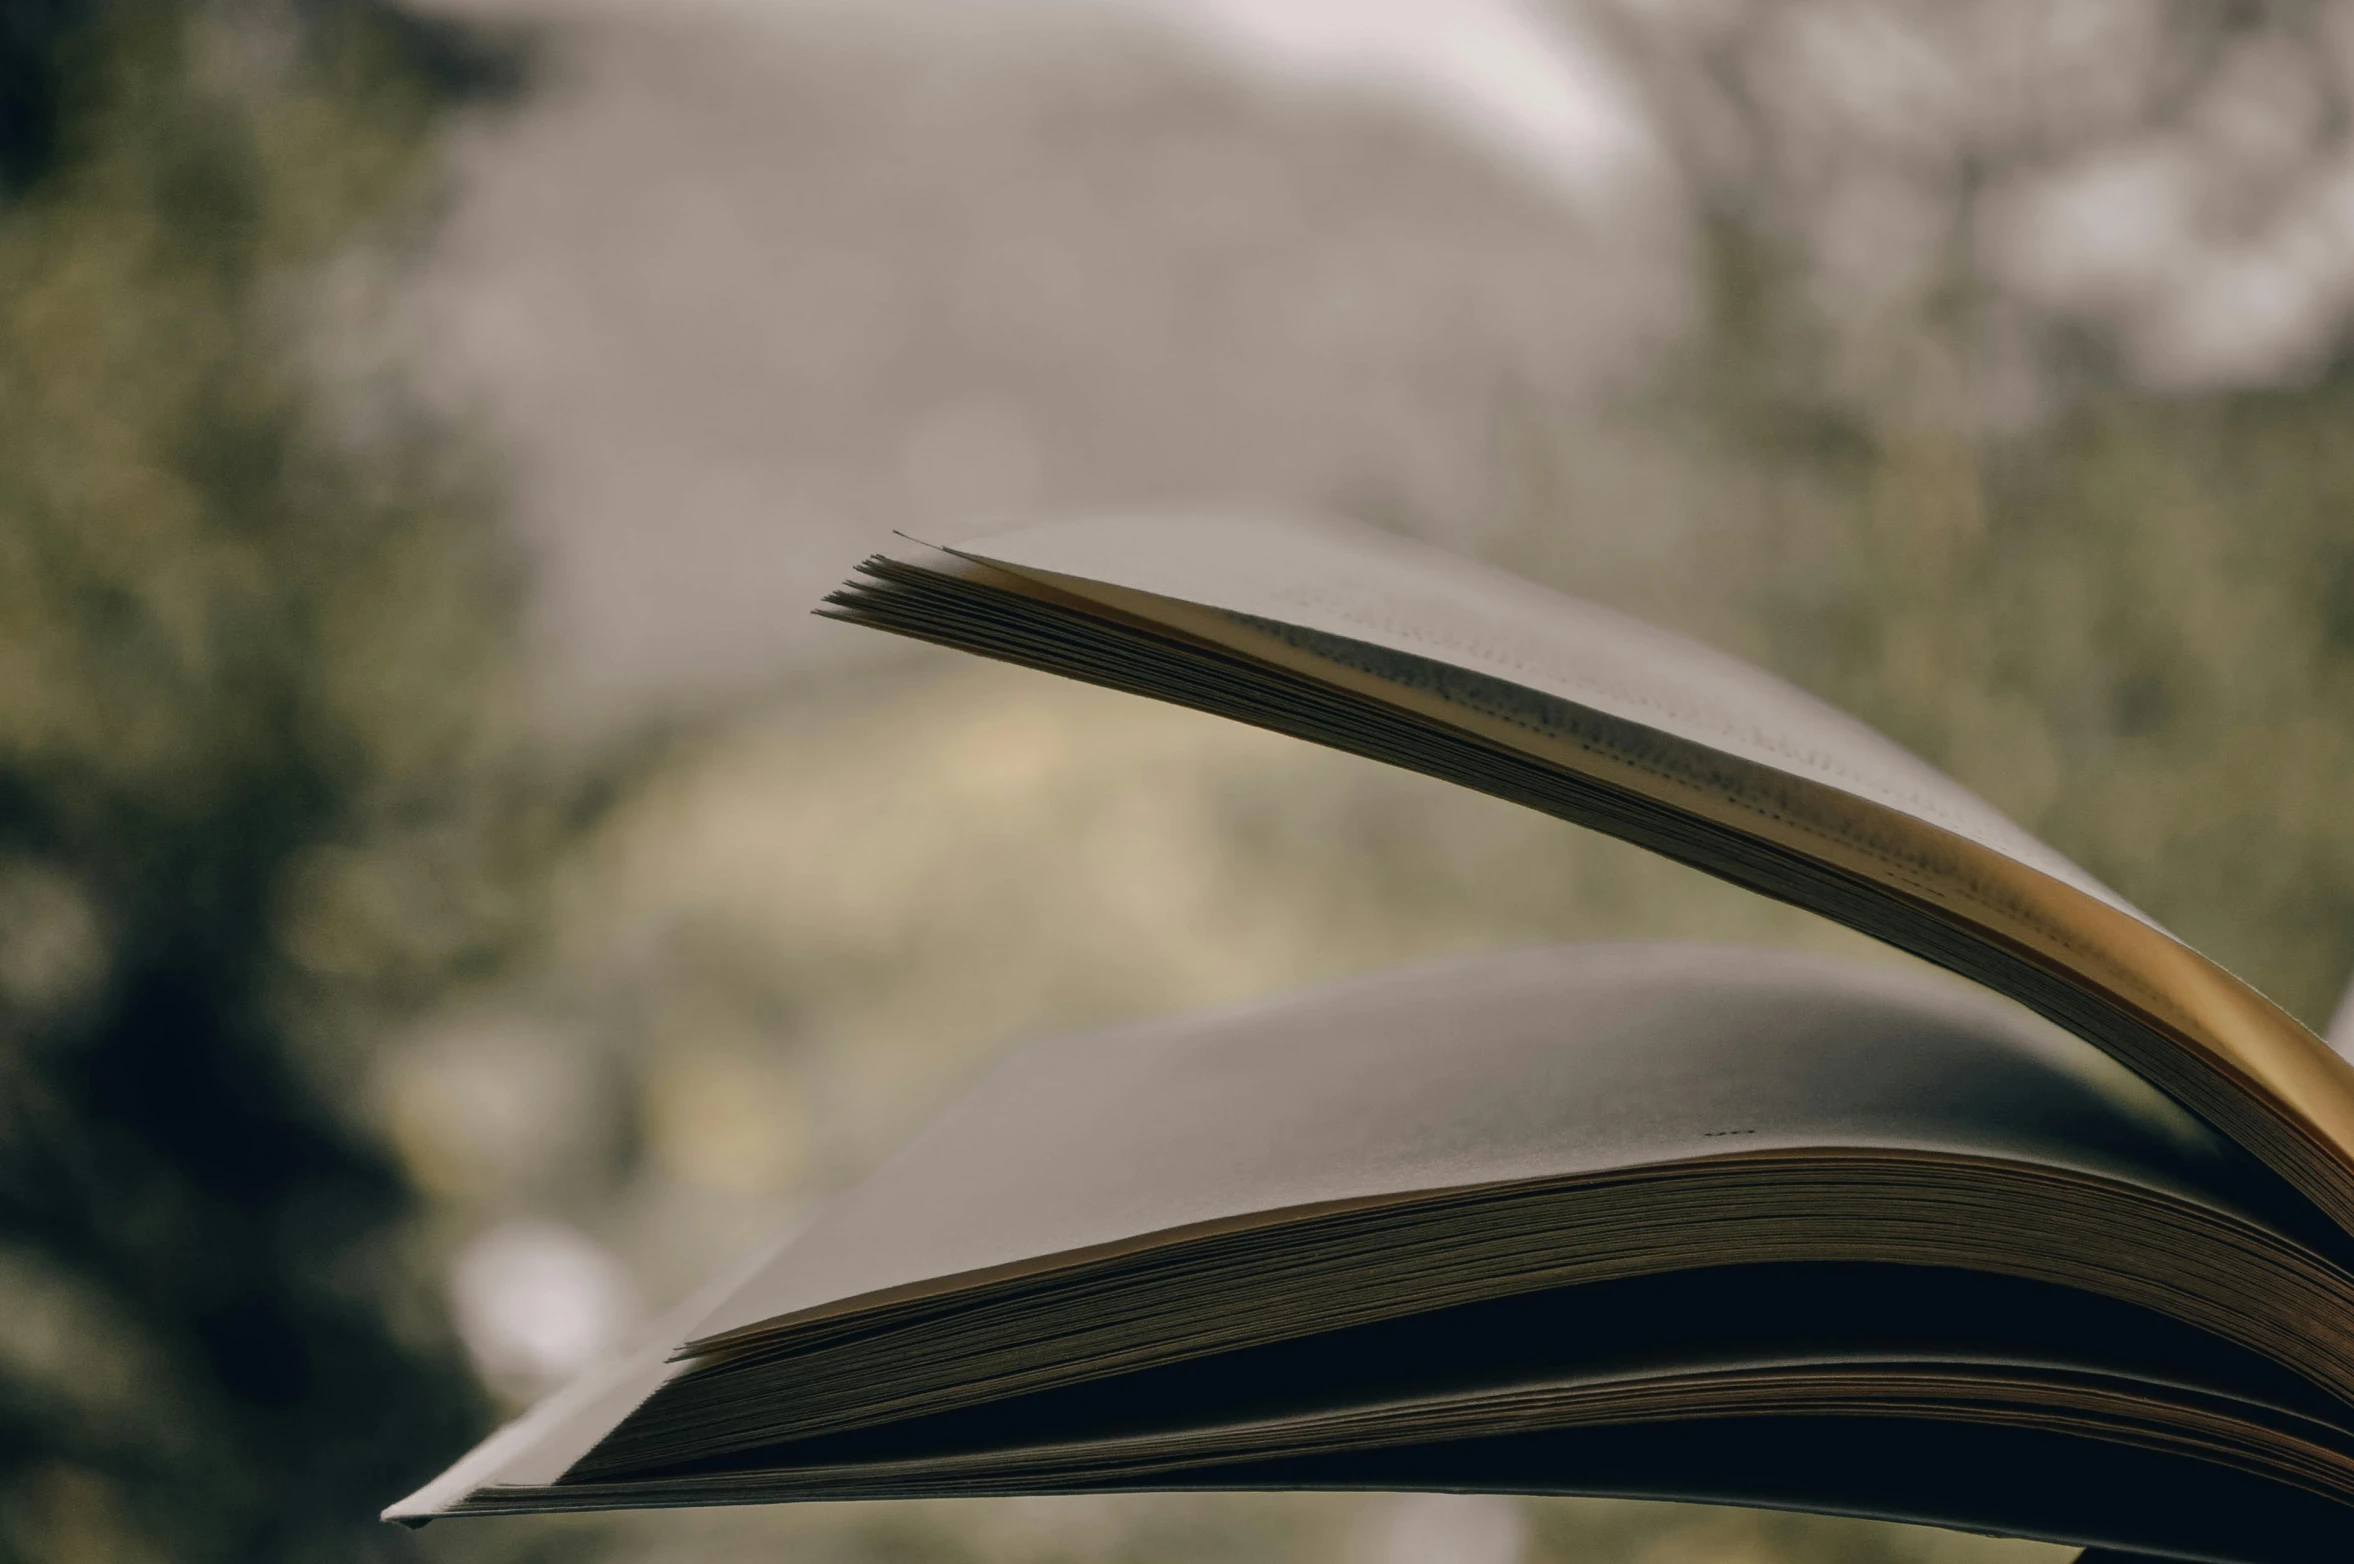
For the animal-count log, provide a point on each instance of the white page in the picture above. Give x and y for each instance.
(1532, 1064)
(1369, 587)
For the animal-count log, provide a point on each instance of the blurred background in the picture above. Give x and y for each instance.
(453, 898)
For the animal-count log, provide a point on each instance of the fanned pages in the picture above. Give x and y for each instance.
(1729, 1205)
(2072, 1259)
(1407, 655)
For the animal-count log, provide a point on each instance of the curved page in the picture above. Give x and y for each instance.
(1526, 1065)
(1537, 1064)
(1814, 804)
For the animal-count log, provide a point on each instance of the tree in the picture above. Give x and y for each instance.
(2006, 511)
(258, 796)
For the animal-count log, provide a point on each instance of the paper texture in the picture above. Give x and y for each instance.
(1530, 1064)
(1365, 587)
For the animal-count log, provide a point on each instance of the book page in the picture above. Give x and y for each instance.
(1369, 587)
(537, 1447)
(1598, 696)
(1527, 1065)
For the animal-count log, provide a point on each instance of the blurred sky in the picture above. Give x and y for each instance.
(742, 285)
(745, 284)
(1499, 70)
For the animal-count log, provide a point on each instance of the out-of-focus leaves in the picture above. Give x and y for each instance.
(258, 795)
(2157, 185)
(2116, 607)
(34, 39)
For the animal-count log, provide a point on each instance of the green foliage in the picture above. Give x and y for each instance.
(254, 801)
(33, 35)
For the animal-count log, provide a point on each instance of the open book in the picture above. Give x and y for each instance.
(1674, 1221)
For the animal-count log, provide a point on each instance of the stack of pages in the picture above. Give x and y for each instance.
(2069, 1255)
